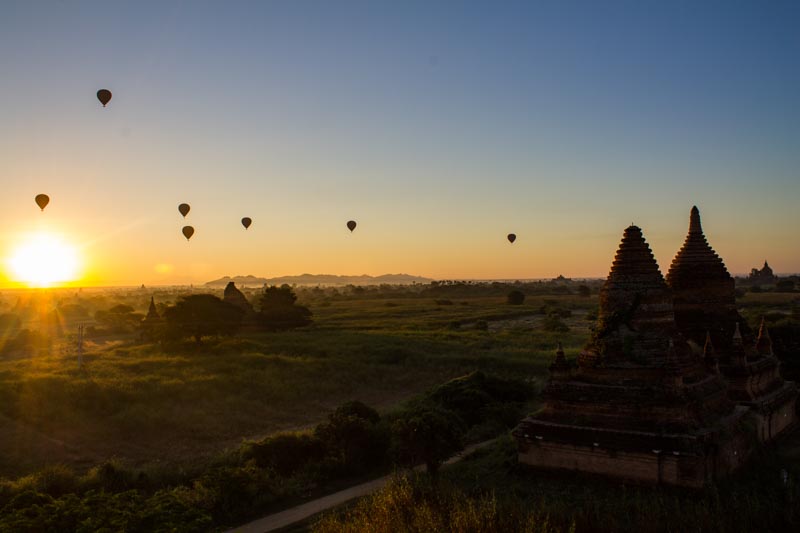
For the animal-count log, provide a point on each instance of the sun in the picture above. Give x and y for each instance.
(44, 260)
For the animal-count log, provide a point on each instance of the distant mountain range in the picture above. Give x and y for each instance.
(320, 279)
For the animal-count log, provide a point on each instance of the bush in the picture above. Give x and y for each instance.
(284, 453)
(554, 324)
(477, 398)
(110, 476)
(515, 298)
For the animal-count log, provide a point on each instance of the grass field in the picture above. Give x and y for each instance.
(144, 404)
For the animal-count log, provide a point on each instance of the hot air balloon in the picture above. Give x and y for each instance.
(42, 200)
(184, 209)
(512, 237)
(351, 225)
(188, 231)
(104, 95)
(246, 221)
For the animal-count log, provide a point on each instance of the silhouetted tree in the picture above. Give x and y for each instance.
(427, 434)
(279, 311)
(584, 291)
(201, 315)
(353, 436)
(118, 318)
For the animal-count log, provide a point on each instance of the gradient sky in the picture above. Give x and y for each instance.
(439, 126)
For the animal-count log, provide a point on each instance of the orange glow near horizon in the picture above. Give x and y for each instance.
(44, 260)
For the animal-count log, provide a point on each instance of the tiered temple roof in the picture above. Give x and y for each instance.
(705, 301)
(704, 291)
(636, 314)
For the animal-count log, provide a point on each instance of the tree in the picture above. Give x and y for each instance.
(516, 297)
(201, 315)
(353, 436)
(584, 291)
(427, 434)
(279, 311)
(118, 318)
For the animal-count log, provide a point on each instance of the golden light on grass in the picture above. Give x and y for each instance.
(44, 260)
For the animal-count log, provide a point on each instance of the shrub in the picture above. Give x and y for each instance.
(554, 324)
(284, 453)
(515, 298)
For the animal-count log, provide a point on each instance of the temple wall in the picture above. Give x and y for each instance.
(731, 454)
(771, 425)
(649, 467)
(719, 457)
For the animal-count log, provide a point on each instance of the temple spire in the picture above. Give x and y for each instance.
(560, 358)
(764, 342)
(709, 354)
(152, 312)
(560, 367)
(737, 348)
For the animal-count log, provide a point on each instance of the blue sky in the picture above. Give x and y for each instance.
(440, 127)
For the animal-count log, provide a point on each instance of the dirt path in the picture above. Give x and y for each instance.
(301, 512)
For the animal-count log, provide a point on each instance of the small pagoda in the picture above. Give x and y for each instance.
(150, 323)
(706, 314)
(638, 403)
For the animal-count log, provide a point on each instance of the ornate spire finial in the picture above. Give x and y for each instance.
(694, 221)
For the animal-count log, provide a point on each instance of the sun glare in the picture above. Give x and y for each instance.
(44, 260)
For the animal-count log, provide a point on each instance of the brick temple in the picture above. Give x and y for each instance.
(672, 388)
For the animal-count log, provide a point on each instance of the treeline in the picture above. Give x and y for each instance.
(354, 442)
(451, 289)
(205, 315)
